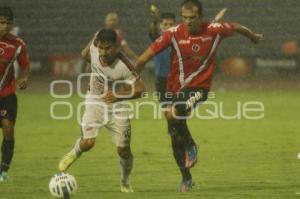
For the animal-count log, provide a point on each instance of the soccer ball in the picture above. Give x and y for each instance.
(62, 185)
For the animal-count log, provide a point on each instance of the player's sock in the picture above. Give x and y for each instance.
(186, 134)
(7, 150)
(76, 149)
(179, 155)
(126, 167)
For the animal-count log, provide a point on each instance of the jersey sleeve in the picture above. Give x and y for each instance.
(23, 57)
(224, 29)
(162, 42)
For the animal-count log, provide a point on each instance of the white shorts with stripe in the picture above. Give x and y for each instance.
(96, 116)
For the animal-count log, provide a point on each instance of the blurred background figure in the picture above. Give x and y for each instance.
(159, 24)
(112, 22)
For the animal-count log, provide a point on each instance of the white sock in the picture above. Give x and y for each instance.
(126, 167)
(76, 149)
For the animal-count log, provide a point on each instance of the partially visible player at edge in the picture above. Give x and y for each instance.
(112, 22)
(194, 43)
(108, 64)
(11, 47)
(159, 24)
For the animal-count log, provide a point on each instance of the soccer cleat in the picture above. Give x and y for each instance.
(4, 177)
(191, 156)
(185, 186)
(126, 188)
(67, 161)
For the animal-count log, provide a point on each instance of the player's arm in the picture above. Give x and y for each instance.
(143, 59)
(131, 91)
(247, 32)
(154, 30)
(24, 63)
(85, 53)
(128, 52)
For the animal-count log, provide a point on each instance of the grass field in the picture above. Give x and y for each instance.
(238, 158)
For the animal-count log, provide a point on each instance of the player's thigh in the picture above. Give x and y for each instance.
(187, 99)
(93, 119)
(8, 111)
(120, 128)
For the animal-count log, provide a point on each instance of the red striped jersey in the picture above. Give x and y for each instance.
(9, 46)
(193, 56)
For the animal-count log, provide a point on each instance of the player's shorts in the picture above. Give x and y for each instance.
(8, 108)
(161, 89)
(187, 99)
(96, 117)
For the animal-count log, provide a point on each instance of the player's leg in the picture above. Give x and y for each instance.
(82, 145)
(120, 129)
(8, 114)
(179, 155)
(183, 103)
(89, 131)
(7, 148)
(126, 164)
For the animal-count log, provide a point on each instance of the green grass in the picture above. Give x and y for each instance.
(238, 158)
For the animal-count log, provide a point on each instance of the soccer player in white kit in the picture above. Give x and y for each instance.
(112, 80)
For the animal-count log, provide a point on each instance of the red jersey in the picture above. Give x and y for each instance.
(9, 46)
(193, 56)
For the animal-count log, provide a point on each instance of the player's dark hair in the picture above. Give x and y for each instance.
(190, 3)
(7, 13)
(106, 35)
(167, 15)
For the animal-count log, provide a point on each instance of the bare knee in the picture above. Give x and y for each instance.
(87, 144)
(124, 152)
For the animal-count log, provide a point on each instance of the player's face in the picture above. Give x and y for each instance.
(191, 19)
(111, 22)
(5, 26)
(108, 52)
(166, 24)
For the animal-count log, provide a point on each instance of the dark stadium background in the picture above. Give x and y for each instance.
(52, 28)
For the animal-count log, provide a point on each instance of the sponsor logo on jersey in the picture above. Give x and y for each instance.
(184, 42)
(203, 39)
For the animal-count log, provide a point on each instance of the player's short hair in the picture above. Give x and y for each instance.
(167, 15)
(106, 35)
(7, 13)
(190, 3)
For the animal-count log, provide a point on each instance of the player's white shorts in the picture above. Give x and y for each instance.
(97, 116)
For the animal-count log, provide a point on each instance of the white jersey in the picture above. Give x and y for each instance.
(105, 77)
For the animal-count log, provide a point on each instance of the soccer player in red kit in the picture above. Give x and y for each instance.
(12, 49)
(194, 43)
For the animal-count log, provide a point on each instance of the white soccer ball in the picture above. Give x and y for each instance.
(62, 185)
(298, 156)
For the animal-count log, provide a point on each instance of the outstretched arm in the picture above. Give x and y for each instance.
(128, 51)
(247, 32)
(85, 53)
(143, 59)
(154, 30)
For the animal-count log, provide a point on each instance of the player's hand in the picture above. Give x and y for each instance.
(257, 38)
(22, 83)
(154, 11)
(109, 97)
